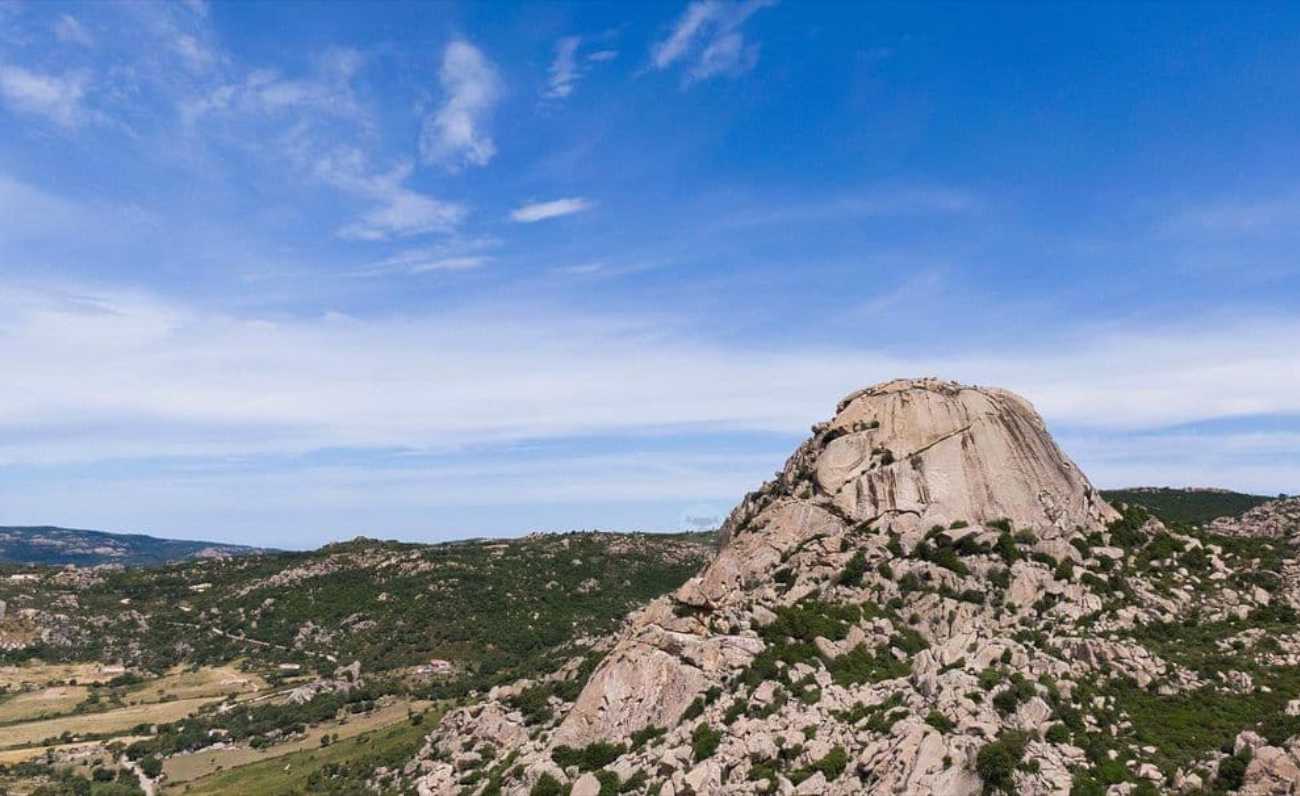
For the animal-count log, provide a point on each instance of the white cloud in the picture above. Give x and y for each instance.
(193, 52)
(455, 135)
(57, 97)
(327, 92)
(564, 69)
(601, 56)
(176, 380)
(398, 211)
(69, 31)
(401, 213)
(540, 211)
(708, 36)
(423, 260)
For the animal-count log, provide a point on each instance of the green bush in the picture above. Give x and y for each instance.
(1057, 733)
(1011, 697)
(854, 570)
(589, 758)
(832, 765)
(1232, 770)
(547, 785)
(862, 665)
(704, 742)
(151, 766)
(996, 762)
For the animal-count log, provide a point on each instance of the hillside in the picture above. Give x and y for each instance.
(352, 638)
(52, 546)
(930, 598)
(495, 608)
(1192, 506)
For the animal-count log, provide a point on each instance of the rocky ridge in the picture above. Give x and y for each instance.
(1277, 519)
(929, 598)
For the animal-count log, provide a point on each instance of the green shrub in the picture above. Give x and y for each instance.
(609, 784)
(862, 665)
(589, 758)
(1057, 733)
(645, 735)
(1064, 570)
(547, 785)
(854, 570)
(832, 765)
(704, 742)
(996, 762)
(1232, 770)
(1011, 697)
(939, 721)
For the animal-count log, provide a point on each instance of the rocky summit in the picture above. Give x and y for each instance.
(930, 598)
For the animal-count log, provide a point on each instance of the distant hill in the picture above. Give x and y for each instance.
(1194, 505)
(54, 546)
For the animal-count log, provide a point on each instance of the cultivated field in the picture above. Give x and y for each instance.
(42, 703)
(35, 673)
(184, 768)
(184, 684)
(288, 770)
(107, 722)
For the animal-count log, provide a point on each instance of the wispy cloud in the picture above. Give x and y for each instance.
(232, 385)
(569, 64)
(456, 135)
(328, 91)
(69, 31)
(398, 211)
(460, 255)
(56, 97)
(564, 68)
(540, 211)
(193, 52)
(707, 36)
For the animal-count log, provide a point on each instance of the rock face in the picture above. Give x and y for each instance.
(908, 453)
(929, 598)
(937, 452)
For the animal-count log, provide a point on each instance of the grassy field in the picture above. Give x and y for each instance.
(110, 721)
(286, 769)
(60, 700)
(15, 677)
(184, 684)
(184, 768)
(11, 756)
(41, 704)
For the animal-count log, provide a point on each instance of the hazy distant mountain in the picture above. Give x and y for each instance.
(47, 544)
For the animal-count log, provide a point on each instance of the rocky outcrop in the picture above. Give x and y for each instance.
(928, 598)
(1276, 519)
(907, 454)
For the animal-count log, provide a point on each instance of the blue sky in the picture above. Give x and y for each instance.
(284, 273)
